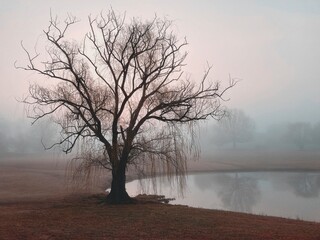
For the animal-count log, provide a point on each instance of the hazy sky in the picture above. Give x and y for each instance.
(273, 46)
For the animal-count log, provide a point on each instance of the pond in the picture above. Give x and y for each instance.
(284, 194)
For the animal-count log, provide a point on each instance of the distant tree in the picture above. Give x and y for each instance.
(4, 138)
(121, 93)
(316, 134)
(17, 137)
(235, 127)
(299, 133)
(32, 140)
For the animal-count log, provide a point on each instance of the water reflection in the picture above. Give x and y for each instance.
(285, 194)
(305, 184)
(240, 193)
(237, 192)
(301, 184)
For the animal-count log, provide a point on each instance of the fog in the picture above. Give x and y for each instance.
(18, 138)
(270, 47)
(283, 194)
(279, 136)
(262, 157)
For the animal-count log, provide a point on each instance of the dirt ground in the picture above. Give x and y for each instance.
(38, 201)
(89, 218)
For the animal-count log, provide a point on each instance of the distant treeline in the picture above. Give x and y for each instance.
(19, 137)
(237, 130)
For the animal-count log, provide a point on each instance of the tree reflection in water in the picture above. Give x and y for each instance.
(283, 194)
(237, 193)
(240, 194)
(305, 184)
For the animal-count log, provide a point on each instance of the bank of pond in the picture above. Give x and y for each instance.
(283, 194)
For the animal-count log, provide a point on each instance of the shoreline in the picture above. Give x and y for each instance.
(35, 196)
(85, 217)
(27, 178)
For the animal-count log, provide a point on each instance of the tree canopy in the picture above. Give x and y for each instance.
(235, 127)
(122, 93)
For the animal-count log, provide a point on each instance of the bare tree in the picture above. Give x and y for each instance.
(122, 93)
(316, 134)
(235, 127)
(299, 133)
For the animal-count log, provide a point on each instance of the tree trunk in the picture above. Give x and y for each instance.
(118, 193)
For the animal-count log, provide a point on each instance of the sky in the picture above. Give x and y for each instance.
(272, 47)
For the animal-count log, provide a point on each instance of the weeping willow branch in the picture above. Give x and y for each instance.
(122, 91)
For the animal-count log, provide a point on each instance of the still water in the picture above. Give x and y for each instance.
(284, 194)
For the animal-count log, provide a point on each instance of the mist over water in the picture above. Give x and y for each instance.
(283, 194)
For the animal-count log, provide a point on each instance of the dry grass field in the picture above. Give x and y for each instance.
(38, 202)
(89, 218)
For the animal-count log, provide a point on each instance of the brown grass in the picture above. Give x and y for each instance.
(36, 204)
(89, 218)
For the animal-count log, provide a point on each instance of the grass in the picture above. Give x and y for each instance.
(34, 204)
(88, 217)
